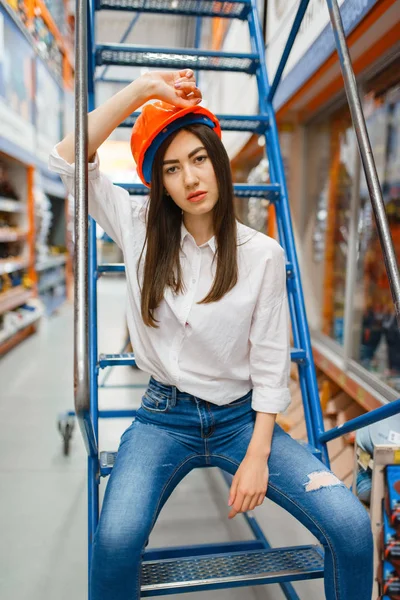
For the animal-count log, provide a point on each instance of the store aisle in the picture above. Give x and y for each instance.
(43, 498)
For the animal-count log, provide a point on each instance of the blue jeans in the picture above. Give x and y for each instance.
(175, 432)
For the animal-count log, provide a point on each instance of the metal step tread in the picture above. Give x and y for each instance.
(127, 359)
(124, 359)
(111, 268)
(252, 123)
(175, 58)
(269, 191)
(222, 570)
(120, 268)
(234, 9)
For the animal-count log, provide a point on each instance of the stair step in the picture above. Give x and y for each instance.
(252, 123)
(111, 268)
(127, 359)
(225, 570)
(235, 9)
(107, 460)
(177, 58)
(120, 268)
(269, 191)
(298, 355)
(124, 359)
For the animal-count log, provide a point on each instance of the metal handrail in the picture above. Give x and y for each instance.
(81, 305)
(373, 416)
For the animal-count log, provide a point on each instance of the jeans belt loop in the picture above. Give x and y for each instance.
(173, 396)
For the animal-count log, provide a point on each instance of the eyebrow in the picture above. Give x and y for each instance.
(192, 153)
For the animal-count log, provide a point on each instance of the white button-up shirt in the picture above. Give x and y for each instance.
(217, 351)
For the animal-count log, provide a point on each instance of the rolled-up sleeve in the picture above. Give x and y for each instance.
(105, 198)
(270, 339)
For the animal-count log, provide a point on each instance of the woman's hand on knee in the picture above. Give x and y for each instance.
(249, 485)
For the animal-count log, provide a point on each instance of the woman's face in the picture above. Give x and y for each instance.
(188, 171)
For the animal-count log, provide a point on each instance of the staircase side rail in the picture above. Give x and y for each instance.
(288, 47)
(378, 414)
(81, 306)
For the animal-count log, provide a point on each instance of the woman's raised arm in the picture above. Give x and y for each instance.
(107, 117)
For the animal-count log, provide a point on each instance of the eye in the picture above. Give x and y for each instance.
(201, 158)
(170, 170)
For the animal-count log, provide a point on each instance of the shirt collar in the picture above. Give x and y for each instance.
(185, 232)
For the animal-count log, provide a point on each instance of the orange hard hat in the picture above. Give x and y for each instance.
(155, 123)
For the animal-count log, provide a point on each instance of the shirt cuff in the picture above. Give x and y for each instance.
(270, 400)
(61, 166)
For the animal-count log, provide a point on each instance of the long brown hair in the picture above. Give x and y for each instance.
(163, 232)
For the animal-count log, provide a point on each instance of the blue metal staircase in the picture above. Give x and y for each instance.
(169, 571)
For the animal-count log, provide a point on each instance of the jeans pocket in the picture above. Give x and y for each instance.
(155, 402)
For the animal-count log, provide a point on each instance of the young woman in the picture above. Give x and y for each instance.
(208, 319)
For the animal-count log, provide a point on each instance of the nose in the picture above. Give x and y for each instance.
(190, 178)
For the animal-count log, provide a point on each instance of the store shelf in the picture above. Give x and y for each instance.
(8, 205)
(13, 298)
(10, 265)
(11, 338)
(11, 234)
(53, 261)
(17, 337)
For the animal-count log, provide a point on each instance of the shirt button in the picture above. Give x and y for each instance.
(193, 281)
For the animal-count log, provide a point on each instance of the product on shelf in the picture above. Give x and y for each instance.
(393, 496)
(47, 43)
(390, 544)
(13, 321)
(57, 11)
(43, 220)
(20, 7)
(6, 188)
(38, 27)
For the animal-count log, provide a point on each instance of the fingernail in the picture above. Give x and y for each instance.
(177, 85)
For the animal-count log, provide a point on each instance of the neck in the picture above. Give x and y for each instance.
(199, 226)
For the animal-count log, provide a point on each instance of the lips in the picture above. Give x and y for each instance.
(197, 196)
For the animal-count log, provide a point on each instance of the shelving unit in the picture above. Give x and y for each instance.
(14, 298)
(51, 237)
(7, 205)
(54, 261)
(12, 234)
(10, 265)
(27, 16)
(34, 249)
(18, 309)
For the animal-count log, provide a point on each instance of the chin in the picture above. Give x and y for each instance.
(196, 209)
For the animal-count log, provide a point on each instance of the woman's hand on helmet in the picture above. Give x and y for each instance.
(175, 87)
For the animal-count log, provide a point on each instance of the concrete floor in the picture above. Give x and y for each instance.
(43, 543)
